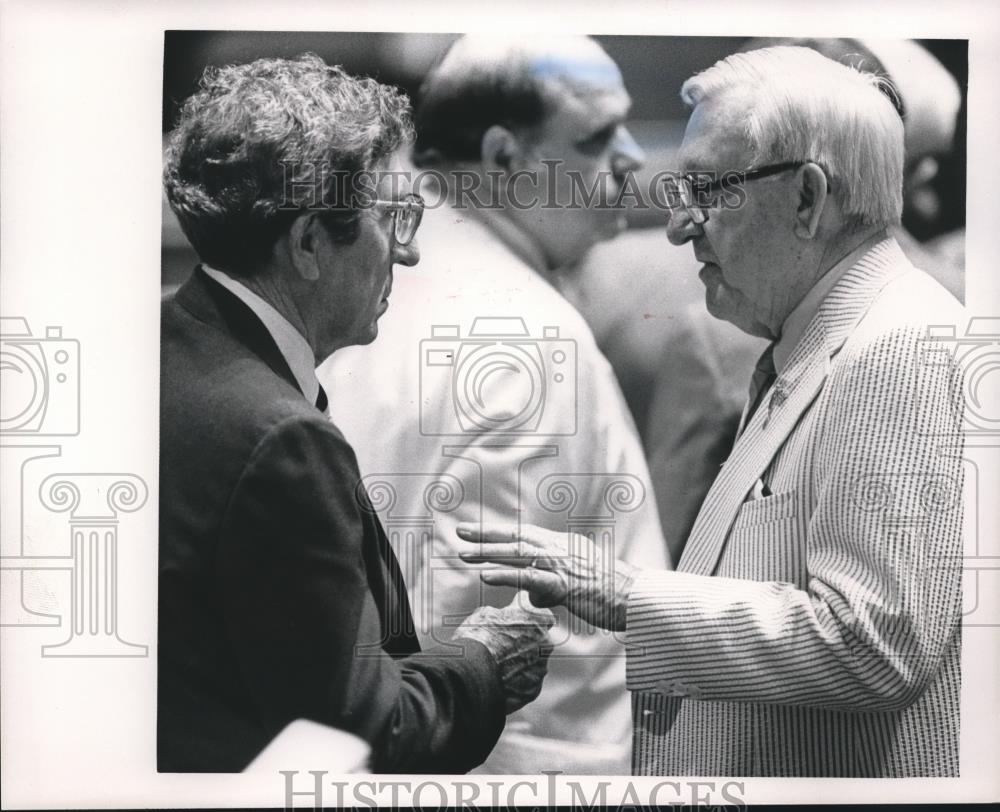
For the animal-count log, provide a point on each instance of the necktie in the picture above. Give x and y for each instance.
(764, 375)
(321, 400)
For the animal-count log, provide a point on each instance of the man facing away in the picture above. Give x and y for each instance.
(279, 596)
(487, 396)
(813, 625)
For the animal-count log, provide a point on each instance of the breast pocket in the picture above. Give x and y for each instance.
(764, 543)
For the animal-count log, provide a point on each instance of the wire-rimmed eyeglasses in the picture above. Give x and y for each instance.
(406, 216)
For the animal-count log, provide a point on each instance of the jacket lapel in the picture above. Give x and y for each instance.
(793, 391)
(209, 301)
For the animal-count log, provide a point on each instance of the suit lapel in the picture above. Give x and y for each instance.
(793, 391)
(209, 301)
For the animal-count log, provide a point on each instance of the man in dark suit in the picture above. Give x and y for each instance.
(280, 597)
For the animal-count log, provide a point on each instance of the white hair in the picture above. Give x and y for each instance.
(801, 106)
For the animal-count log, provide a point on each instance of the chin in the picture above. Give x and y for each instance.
(369, 336)
(718, 305)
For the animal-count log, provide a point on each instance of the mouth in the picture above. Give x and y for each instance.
(709, 270)
(383, 304)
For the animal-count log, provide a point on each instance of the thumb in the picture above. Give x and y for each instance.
(527, 605)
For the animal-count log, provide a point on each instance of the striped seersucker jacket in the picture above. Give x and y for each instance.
(816, 631)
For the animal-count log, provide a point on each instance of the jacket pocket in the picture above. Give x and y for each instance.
(763, 511)
(764, 543)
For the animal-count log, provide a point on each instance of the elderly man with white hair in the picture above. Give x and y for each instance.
(812, 627)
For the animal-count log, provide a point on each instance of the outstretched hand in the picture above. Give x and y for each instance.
(556, 569)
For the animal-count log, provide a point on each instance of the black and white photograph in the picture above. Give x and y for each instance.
(582, 413)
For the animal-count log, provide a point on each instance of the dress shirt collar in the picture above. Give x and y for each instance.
(795, 325)
(291, 343)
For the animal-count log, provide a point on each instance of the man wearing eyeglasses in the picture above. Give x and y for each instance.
(487, 397)
(279, 596)
(812, 627)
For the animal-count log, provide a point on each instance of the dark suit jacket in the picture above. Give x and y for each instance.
(280, 597)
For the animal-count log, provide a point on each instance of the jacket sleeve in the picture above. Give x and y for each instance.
(882, 600)
(307, 631)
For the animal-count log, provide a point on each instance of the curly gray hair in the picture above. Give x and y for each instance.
(259, 141)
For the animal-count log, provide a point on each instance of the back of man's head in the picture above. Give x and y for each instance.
(801, 106)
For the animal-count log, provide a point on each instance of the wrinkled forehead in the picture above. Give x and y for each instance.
(715, 137)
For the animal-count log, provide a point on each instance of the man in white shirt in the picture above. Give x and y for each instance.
(486, 396)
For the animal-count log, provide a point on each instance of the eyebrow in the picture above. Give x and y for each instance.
(609, 123)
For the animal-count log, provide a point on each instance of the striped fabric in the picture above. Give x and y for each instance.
(816, 631)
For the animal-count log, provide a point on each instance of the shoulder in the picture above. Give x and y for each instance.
(898, 366)
(909, 311)
(219, 398)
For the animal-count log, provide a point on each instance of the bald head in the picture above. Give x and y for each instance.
(516, 83)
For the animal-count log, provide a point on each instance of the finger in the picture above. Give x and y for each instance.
(512, 578)
(521, 603)
(469, 531)
(522, 610)
(544, 588)
(544, 600)
(504, 533)
(511, 554)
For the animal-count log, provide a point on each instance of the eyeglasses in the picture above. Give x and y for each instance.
(406, 216)
(695, 194)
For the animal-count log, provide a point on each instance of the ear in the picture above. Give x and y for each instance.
(813, 194)
(500, 149)
(303, 244)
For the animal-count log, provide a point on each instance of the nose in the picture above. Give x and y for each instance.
(408, 254)
(680, 226)
(627, 155)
